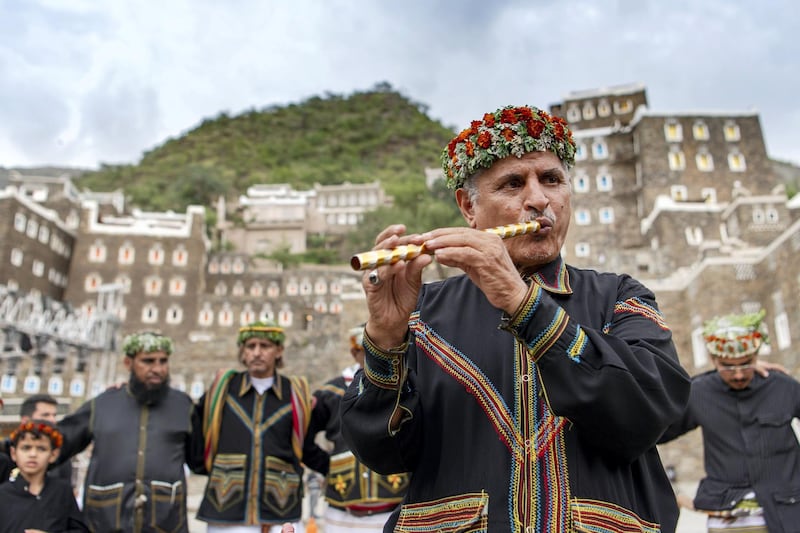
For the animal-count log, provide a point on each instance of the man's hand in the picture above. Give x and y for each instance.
(763, 367)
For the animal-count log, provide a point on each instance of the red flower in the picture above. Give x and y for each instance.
(484, 139)
(451, 147)
(488, 119)
(475, 124)
(508, 134)
(470, 149)
(508, 116)
(524, 113)
(535, 128)
(559, 132)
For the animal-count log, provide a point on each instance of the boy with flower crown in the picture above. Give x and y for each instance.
(526, 394)
(751, 454)
(31, 501)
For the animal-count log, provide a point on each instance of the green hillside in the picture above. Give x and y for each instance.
(377, 134)
(372, 135)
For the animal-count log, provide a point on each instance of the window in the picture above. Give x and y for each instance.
(305, 287)
(76, 387)
(273, 290)
(17, 256)
(238, 265)
(256, 289)
(694, 236)
(320, 306)
(731, 131)
(225, 266)
(126, 254)
(679, 193)
(606, 215)
(677, 161)
(603, 108)
(292, 287)
(8, 383)
(604, 182)
(206, 316)
(321, 286)
(44, 234)
(582, 217)
(709, 195)
(55, 386)
(580, 152)
(92, 282)
(125, 282)
(700, 131)
(588, 111)
(37, 268)
(152, 285)
(247, 315)
(174, 314)
(736, 162)
(221, 289)
(771, 215)
(31, 384)
(336, 287)
(156, 255)
(581, 183)
(335, 307)
(582, 249)
(33, 228)
(623, 106)
(704, 161)
(238, 289)
(122, 312)
(673, 131)
(177, 286)
(97, 252)
(599, 150)
(180, 257)
(213, 267)
(20, 221)
(758, 215)
(226, 316)
(573, 114)
(266, 313)
(285, 317)
(150, 313)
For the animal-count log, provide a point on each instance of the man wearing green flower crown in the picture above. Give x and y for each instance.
(258, 429)
(142, 437)
(751, 454)
(525, 395)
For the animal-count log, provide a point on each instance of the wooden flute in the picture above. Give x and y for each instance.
(389, 256)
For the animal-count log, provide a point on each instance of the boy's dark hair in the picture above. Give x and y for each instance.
(28, 406)
(37, 429)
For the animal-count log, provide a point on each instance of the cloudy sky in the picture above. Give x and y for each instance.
(85, 82)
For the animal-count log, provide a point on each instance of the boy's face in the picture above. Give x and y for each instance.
(33, 454)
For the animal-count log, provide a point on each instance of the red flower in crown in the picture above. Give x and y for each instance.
(507, 131)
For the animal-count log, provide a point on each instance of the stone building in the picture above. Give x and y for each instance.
(690, 204)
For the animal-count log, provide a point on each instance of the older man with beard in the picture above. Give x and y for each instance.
(142, 438)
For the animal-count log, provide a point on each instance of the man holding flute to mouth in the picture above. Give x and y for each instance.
(526, 394)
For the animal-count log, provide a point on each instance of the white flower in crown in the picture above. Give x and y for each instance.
(508, 131)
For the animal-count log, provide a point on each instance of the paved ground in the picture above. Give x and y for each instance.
(689, 521)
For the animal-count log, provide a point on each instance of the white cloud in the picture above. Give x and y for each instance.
(84, 82)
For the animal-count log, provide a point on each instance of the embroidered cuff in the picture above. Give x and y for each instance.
(546, 334)
(384, 367)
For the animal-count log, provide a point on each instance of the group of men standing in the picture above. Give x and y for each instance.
(525, 395)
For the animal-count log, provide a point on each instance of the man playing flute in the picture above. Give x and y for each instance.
(525, 394)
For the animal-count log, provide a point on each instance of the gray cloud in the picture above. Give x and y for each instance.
(90, 82)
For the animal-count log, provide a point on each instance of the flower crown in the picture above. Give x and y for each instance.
(507, 131)
(146, 342)
(38, 429)
(263, 330)
(733, 336)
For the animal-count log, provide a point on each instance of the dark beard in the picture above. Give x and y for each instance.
(145, 394)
